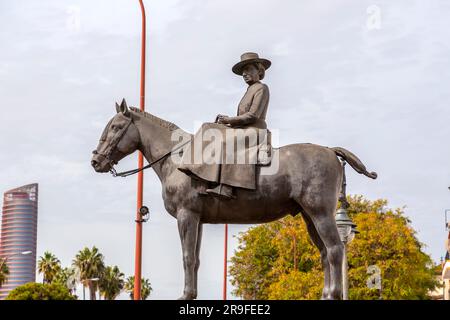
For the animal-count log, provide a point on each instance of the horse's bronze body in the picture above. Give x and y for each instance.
(308, 181)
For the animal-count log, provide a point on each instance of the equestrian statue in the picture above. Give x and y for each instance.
(228, 172)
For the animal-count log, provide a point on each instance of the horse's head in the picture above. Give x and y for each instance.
(119, 139)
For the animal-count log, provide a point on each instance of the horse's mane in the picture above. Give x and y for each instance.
(161, 122)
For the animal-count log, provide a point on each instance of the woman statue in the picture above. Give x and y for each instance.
(251, 113)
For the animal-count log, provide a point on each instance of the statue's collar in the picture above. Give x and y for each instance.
(253, 84)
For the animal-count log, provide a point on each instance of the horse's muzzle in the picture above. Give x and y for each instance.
(99, 163)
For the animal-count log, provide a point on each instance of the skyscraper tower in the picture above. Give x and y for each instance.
(19, 235)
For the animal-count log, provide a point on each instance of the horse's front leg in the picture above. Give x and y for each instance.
(188, 225)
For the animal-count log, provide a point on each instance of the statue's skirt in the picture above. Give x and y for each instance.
(220, 154)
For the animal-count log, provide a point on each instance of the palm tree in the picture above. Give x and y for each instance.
(89, 265)
(111, 283)
(68, 278)
(49, 265)
(146, 287)
(4, 271)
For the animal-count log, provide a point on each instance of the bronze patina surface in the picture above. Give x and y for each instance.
(307, 180)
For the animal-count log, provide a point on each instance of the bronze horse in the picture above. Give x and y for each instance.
(308, 181)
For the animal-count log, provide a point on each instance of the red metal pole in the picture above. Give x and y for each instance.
(225, 264)
(140, 179)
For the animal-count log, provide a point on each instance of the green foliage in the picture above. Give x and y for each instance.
(4, 271)
(296, 285)
(252, 263)
(88, 267)
(66, 277)
(39, 291)
(49, 265)
(89, 264)
(111, 283)
(146, 288)
(278, 261)
(388, 241)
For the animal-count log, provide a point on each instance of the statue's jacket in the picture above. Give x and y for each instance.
(221, 160)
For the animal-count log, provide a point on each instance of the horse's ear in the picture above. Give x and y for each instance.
(117, 108)
(124, 108)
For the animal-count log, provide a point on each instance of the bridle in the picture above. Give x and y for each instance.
(113, 145)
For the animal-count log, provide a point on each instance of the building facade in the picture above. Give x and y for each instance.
(19, 236)
(446, 269)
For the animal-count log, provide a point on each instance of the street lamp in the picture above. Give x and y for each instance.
(83, 281)
(4, 260)
(347, 231)
(12, 255)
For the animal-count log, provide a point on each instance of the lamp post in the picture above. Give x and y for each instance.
(83, 281)
(4, 260)
(140, 178)
(347, 231)
(225, 258)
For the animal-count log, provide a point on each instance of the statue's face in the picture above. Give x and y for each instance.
(250, 74)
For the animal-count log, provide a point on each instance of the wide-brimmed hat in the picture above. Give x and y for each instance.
(249, 57)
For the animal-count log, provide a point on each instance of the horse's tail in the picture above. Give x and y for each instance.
(354, 162)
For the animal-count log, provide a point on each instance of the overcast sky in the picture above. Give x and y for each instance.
(372, 77)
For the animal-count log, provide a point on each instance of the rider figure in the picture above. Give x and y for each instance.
(253, 106)
(250, 117)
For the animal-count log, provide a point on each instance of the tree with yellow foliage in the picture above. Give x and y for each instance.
(279, 261)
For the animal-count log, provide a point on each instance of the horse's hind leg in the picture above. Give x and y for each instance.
(322, 217)
(197, 257)
(323, 254)
(188, 224)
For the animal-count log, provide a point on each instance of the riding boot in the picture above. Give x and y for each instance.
(222, 191)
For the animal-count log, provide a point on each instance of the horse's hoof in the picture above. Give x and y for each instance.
(325, 296)
(332, 297)
(187, 296)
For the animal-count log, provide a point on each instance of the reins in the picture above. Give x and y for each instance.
(134, 171)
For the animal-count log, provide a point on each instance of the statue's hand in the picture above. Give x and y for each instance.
(222, 119)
